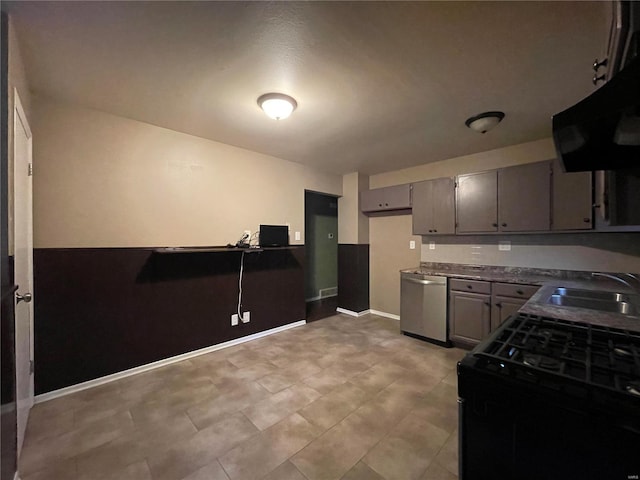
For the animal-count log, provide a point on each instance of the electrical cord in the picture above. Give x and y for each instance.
(240, 315)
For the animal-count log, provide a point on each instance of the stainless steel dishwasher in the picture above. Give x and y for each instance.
(423, 307)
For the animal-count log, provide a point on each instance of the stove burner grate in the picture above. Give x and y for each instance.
(595, 355)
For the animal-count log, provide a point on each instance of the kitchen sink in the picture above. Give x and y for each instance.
(613, 302)
(597, 295)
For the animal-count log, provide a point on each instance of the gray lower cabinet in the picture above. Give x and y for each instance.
(572, 201)
(433, 209)
(469, 313)
(478, 307)
(502, 308)
(397, 197)
(507, 299)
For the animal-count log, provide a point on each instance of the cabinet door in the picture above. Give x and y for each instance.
(422, 208)
(397, 197)
(371, 200)
(502, 308)
(443, 200)
(469, 316)
(477, 202)
(572, 203)
(524, 197)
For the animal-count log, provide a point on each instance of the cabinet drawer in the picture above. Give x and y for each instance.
(514, 290)
(476, 286)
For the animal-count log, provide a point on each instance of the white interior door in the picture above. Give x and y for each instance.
(23, 258)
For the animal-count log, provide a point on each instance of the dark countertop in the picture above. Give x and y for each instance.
(548, 280)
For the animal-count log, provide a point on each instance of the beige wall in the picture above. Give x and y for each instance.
(353, 224)
(389, 253)
(594, 251)
(107, 181)
(17, 81)
(513, 155)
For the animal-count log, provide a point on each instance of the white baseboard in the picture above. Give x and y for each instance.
(351, 313)
(161, 363)
(385, 314)
(16, 476)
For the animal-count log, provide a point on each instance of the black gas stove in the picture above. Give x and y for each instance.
(543, 398)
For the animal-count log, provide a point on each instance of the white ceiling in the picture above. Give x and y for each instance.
(380, 85)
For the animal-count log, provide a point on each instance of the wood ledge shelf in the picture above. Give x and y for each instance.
(172, 250)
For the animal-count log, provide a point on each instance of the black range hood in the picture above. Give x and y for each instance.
(602, 132)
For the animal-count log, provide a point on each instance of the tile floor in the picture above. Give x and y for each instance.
(341, 398)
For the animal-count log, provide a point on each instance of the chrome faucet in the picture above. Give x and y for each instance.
(618, 279)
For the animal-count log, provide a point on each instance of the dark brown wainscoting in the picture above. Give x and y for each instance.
(323, 308)
(353, 277)
(99, 311)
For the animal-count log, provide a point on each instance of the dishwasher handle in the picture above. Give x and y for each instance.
(424, 282)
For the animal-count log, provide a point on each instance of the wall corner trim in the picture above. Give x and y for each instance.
(352, 313)
(385, 314)
(161, 363)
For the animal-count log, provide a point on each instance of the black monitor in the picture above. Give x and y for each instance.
(274, 236)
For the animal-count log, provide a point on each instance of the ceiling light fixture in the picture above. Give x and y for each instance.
(483, 122)
(277, 105)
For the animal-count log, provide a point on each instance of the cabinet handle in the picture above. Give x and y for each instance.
(519, 292)
(470, 287)
(598, 78)
(504, 224)
(435, 231)
(379, 204)
(597, 64)
(430, 231)
(586, 220)
(499, 305)
(487, 304)
(494, 224)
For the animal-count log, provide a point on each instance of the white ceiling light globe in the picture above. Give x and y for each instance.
(277, 105)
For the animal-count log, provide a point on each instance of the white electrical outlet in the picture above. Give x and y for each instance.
(504, 246)
(297, 235)
(432, 245)
(412, 244)
(234, 319)
(246, 317)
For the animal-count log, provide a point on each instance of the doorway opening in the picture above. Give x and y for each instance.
(321, 254)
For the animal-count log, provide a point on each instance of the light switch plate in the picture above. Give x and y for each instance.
(504, 246)
(432, 245)
(297, 235)
(412, 244)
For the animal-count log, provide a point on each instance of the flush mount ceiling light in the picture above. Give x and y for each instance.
(483, 122)
(277, 105)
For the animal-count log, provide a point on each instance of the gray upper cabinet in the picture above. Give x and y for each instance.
(524, 197)
(397, 197)
(511, 199)
(572, 202)
(433, 207)
(477, 202)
